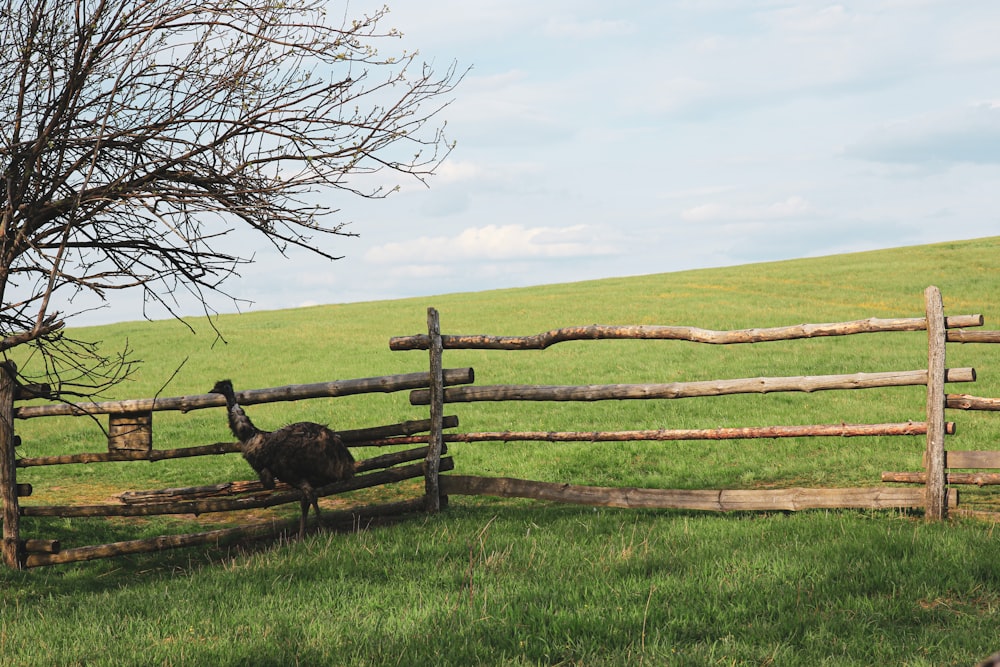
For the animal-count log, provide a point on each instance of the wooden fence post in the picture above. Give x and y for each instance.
(8, 476)
(436, 438)
(935, 493)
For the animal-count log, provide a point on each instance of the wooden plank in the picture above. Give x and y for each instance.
(967, 402)
(693, 499)
(731, 433)
(390, 476)
(968, 459)
(239, 487)
(26, 392)
(693, 334)
(297, 392)
(436, 396)
(973, 337)
(936, 502)
(971, 459)
(132, 431)
(760, 385)
(10, 511)
(358, 437)
(222, 536)
(354, 438)
(977, 478)
(128, 455)
(40, 546)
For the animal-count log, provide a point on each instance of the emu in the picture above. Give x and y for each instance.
(304, 455)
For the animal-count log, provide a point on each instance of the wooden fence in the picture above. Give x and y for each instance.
(935, 496)
(130, 439)
(130, 436)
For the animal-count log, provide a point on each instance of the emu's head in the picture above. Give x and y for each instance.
(224, 387)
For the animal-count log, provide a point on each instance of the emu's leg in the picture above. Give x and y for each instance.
(304, 503)
(308, 498)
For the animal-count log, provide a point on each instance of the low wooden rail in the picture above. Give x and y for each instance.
(934, 497)
(718, 500)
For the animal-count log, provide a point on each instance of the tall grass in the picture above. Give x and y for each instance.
(515, 582)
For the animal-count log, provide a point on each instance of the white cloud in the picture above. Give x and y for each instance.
(793, 207)
(964, 135)
(497, 242)
(421, 271)
(592, 29)
(456, 171)
(701, 191)
(811, 19)
(510, 108)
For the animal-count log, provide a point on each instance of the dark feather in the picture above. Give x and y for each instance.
(304, 455)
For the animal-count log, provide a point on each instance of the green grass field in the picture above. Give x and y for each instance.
(520, 582)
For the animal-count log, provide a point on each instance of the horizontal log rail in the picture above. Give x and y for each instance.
(694, 334)
(726, 500)
(234, 488)
(41, 546)
(977, 478)
(240, 487)
(130, 455)
(967, 402)
(295, 392)
(196, 507)
(971, 459)
(223, 536)
(360, 437)
(981, 458)
(731, 433)
(354, 438)
(973, 336)
(760, 385)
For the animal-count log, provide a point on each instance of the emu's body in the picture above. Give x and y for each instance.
(304, 455)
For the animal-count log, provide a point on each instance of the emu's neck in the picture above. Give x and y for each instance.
(239, 423)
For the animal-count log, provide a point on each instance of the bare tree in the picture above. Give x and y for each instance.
(135, 135)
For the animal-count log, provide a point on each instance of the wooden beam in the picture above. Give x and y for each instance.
(693, 334)
(977, 478)
(130, 455)
(297, 392)
(732, 433)
(971, 459)
(206, 506)
(694, 499)
(131, 431)
(353, 438)
(10, 511)
(760, 385)
(973, 337)
(967, 402)
(239, 487)
(26, 392)
(936, 502)
(436, 400)
(360, 437)
(40, 546)
(222, 536)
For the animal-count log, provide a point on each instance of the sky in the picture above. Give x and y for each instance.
(600, 139)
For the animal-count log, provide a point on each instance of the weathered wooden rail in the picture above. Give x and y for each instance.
(935, 497)
(130, 439)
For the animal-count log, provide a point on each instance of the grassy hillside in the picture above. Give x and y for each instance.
(529, 583)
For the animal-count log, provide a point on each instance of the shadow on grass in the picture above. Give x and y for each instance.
(518, 582)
